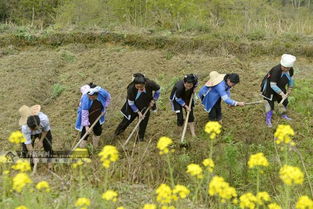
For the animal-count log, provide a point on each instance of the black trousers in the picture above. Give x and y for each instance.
(216, 112)
(125, 123)
(180, 116)
(278, 99)
(47, 145)
(97, 130)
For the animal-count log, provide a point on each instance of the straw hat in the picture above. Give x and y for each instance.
(287, 60)
(26, 111)
(215, 78)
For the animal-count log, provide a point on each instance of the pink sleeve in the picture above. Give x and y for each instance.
(85, 118)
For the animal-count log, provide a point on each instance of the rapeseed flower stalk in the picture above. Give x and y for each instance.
(110, 195)
(20, 181)
(195, 170)
(209, 164)
(304, 202)
(22, 166)
(163, 145)
(21, 207)
(164, 194)
(283, 134)
(221, 188)
(274, 206)
(43, 185)
(108, 155)
(290, 175)
(256, 161)
(16, 137)
(247, 200)
(213, 128)
(82, 202)
(149, 206)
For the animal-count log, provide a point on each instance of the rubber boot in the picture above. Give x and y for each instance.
(284, 116)
(95, 141)
(269, 115)
(192, 129)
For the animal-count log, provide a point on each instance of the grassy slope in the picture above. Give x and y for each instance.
(28, 74)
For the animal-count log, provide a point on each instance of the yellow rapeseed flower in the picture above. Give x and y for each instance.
(213, 128)
(247, 200)
(19, 181)
(22, 165)
(274, 206)
(121, 207)
(257, 160)
(21, 207)
(3, 159)
(82, 202)
(291, 175)
(149, 206)
(304, 202)
(108, 155)
(80, 162)
(195, 170)
(43, 185)
(263, 197)
(163, 144)
(110, 195)
(181, 190)
(167, 207)
(283, 134)
(209, 163)
(218, 186)
(164, 194)
(17, 137)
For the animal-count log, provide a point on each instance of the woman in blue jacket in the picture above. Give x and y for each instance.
(92, 104)
(218, 89)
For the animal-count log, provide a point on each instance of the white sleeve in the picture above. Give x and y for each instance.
(44, 122)
(27, 134)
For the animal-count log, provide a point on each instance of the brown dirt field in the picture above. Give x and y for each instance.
(27, 76)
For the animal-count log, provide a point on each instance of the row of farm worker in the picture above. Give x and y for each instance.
(142, 95)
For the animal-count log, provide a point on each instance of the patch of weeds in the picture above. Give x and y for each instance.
(57, 89)
(301, 100)
(169, 55)
(256, 36)
(68, 56)
(24, 33)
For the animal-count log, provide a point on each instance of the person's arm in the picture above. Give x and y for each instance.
(131, 100)
(274, 78)
(85, 112)
(45, 124)
(225, 96)
(107, 99)
(28, 143)
(157, 90)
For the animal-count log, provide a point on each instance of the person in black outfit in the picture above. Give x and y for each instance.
(180, 97)
(141, 94)
(274, 84)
